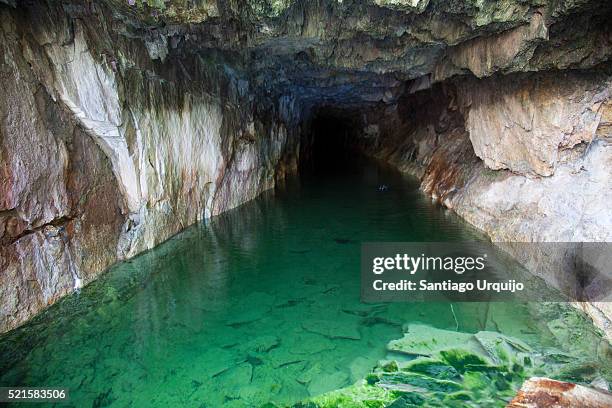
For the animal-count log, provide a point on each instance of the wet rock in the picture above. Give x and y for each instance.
(344, 241)
(426, 340)
(363, 310)
(291, 303)
(454, 376)
(253, 307)
(261, 344)
(216, 362)
(547, 393)
(463, 360)
(397, 381)
(324, 382)
(236, 378)
(525, 134)
(600, 383)
(431, 367)
(455, 147)
(311, 372)
(123, 153)
(104, 398)
(308, 343)
(408, 400)
(583, 371)
(502, 349)
(252, 395)
(374, 320)
(455, 397)
(333, 328)
(359, 368)
(360, 394)
(389, 366)
(254, 361)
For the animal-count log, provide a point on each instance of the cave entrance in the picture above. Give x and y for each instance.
(331, 142)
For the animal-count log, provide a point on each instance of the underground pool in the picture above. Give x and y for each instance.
(260, 306)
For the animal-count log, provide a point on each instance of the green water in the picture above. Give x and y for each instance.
(259, 304)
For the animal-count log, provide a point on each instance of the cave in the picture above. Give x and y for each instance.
(331, 142)
(283, 203)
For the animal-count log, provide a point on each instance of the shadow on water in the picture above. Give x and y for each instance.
(259, 304)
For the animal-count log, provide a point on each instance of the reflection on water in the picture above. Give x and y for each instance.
(260, 304)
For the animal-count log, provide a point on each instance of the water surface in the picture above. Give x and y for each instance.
(259, 304)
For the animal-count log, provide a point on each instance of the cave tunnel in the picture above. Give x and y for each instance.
(193, 194)
(331, 142)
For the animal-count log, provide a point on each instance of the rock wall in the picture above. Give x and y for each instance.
(523, 157)
(106, 151)
(547, 133)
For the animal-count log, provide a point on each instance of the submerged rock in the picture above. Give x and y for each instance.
(463, 360)
(253, 307)
(501, 348)
(359, 368)
(217, 361)
(236, 379)
(344, 241)
(426, 340)
(333, 328)
(431, 367)
(363, 309)
(456, 374)
(325, 382)
(395, 381)
(261, 344)
(309, 343)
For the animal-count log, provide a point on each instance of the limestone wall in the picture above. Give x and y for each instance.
(106, 152)
(524, 157)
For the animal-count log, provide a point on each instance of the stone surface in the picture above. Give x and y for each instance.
(106, 153)
(325, 382)
(422, 340)
(544, 142)
(525, 124)
(332, 329)
(491, 374)
(546, 393)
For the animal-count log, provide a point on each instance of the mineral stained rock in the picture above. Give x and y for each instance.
(106, 153)
(122, 122)
(546, 393)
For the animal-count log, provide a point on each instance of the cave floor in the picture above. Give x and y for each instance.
(258, 305)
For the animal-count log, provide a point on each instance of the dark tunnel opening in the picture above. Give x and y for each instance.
(331, 142)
